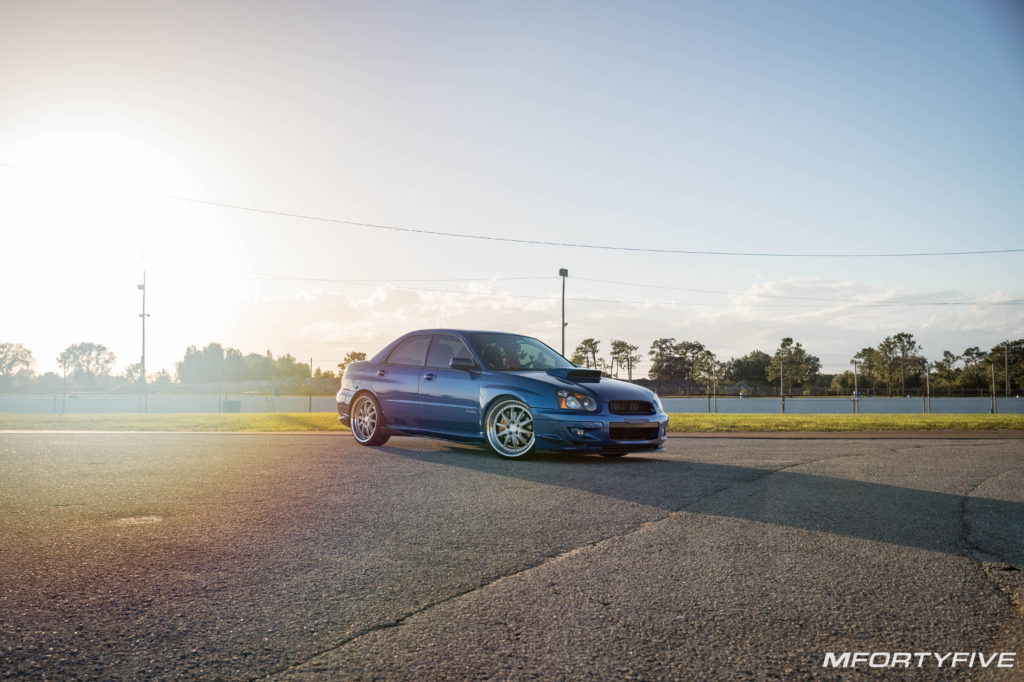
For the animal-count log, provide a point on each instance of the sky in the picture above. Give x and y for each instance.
(138, 137)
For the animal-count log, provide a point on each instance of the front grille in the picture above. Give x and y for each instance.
(633, 432)
(630, 407)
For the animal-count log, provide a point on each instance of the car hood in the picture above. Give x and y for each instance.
(590, 381)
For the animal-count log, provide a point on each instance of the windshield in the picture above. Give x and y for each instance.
(511, 353)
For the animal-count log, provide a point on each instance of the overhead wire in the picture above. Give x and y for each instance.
(835, 301)
(539, 242)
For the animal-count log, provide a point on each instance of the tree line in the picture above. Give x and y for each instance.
(90, 365)
(895, 366)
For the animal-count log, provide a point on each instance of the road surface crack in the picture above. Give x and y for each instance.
(547, 560)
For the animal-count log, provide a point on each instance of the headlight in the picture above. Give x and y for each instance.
(657, 403)
(576, 401)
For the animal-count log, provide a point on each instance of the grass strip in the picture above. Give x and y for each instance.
(264, 422)
(843, 422)
(328, 421)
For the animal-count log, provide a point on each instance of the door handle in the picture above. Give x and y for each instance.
(381, 372)
(429, 376)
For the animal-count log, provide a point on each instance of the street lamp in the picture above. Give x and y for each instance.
(563, 273)
(928, 386)
(144, 398)
(856, 392)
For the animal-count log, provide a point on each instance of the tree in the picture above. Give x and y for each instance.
(133, 373)
(15, 360)
(886, 360)
(751, 368)
(352, 356)
(707, 368)
(907, 351)
(946, 371)
(842, 383)
(287, 366)
(87, 360)
(672, 361)
(664, 362)
(626, 355)
(794, 364)
(869, 367)
(973, 375)
(588, 348)
(1008, 357)
(204, 366)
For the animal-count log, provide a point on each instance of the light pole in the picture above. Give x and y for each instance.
(1006, 366)
(995, 405)
(563, 273)
(142, 288)
(928, 384)
(714, 378)
(856, 393)
(782, 390)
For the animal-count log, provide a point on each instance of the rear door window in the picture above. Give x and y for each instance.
(412, 352)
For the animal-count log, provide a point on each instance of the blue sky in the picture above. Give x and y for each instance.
(797, 127)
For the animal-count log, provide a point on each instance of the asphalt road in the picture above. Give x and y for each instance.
(307, 557)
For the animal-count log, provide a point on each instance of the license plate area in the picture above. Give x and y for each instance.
(628, 431)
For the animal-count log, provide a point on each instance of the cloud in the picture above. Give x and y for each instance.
(832, 318)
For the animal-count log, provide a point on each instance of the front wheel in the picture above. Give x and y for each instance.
(368, 422)
(510, 429)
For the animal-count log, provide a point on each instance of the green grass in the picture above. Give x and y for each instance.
(260, 422)
(327, 421)
(843, 422)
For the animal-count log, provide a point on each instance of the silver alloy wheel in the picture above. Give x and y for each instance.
(510, 428)
(364, 419)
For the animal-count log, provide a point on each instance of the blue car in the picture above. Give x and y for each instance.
(509, 391)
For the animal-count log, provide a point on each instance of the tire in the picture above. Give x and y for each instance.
(367, 421)
(510, 429)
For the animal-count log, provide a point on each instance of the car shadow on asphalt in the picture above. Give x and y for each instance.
(934, 521)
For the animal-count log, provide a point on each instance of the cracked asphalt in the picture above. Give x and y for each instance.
(308, 557)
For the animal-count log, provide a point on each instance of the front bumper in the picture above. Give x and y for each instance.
(581, 432)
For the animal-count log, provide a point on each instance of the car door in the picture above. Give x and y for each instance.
(397, 381)
(449, 398)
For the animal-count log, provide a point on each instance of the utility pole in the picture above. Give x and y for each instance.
(856, 393)
(563, 273)
(782, 390)
(142, 288)
(995, 405)
(311, 384)
(926, 398)
(928, 384)
(714, 379)
(1006, 365)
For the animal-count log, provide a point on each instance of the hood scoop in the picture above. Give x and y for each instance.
(576, 374)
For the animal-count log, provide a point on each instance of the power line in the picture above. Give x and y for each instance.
(574, 245)
(334, 280)
(538, 242)
(836, 301)
(589, 299)
(802, 298)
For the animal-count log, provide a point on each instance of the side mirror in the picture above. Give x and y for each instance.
(464, 364)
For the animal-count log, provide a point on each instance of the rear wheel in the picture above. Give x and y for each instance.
(367, 421)
(510, 429)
